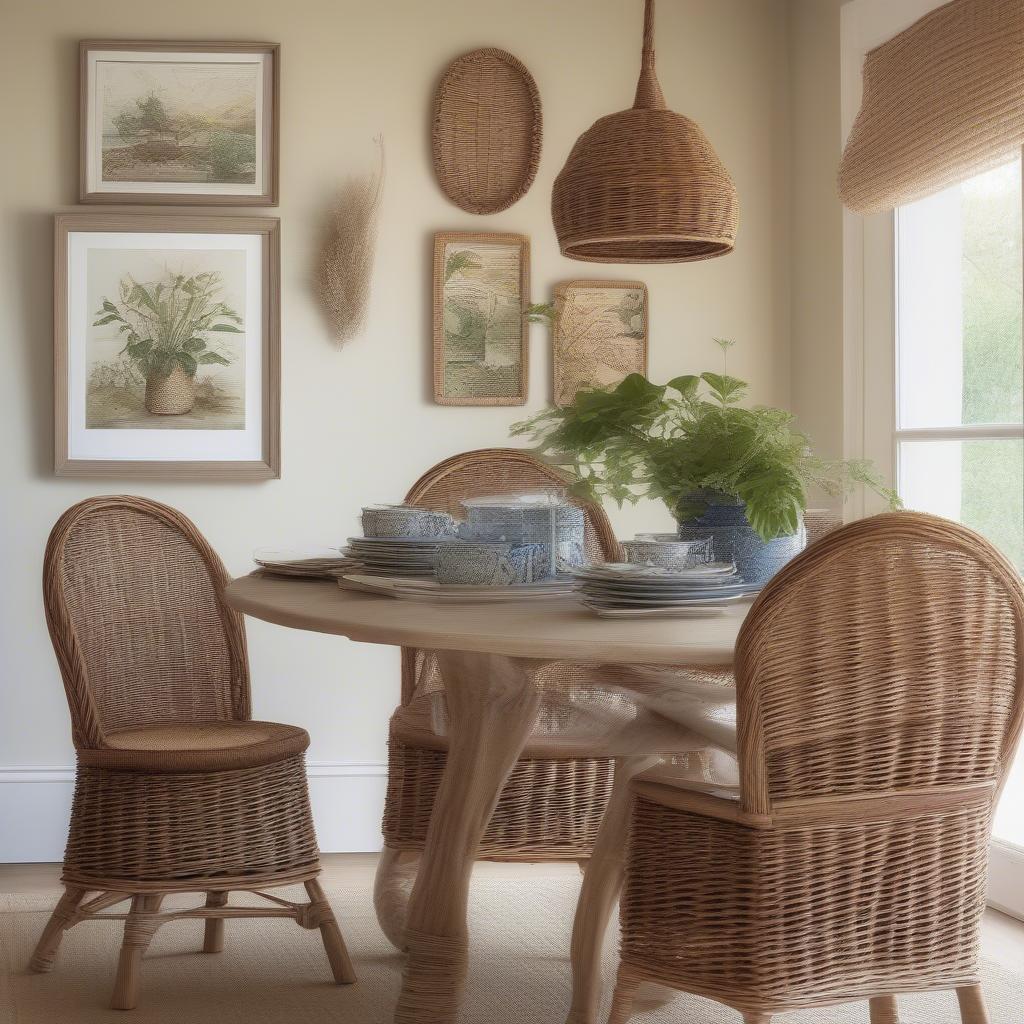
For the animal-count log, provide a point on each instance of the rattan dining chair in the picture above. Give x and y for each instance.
(177, 789)
(880, 700)
(552, 805)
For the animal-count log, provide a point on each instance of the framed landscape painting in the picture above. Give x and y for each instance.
(165, 122)
(599, 335)
(481, 288)
(166, 346)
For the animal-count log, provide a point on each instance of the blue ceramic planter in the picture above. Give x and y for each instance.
(725, 521)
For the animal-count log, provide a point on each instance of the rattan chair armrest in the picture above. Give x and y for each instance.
(881, 806)
(706, 805)
(823, 811)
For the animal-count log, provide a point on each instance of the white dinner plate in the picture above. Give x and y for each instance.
(658, 602)
(654, 613)
(431, 590)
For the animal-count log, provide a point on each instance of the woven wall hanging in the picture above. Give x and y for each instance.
(487, 132)
(943, 100)
(644, 185)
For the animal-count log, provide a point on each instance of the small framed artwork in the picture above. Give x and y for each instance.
(165, 122)
(481, 289)
(599, 335)
(166, 346)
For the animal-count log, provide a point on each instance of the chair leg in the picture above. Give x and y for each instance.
(138, 932)
(622, 999)
(213, 933)
(884, 1010)
(972, 1005)
(60, 920)
(334, 944)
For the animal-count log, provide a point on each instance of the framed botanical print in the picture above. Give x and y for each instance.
(167, 346)
(165, 122)
(599, 335)
(481, 289)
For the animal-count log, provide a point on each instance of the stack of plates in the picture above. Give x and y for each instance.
(460, 593)
(393, 556)
(304, 562)
(620, 590)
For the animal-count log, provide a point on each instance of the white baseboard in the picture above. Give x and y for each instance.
(1006, 879)
(35, 802)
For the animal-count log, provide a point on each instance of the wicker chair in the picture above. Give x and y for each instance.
(177, 789)
(552, 805)
(880, 698)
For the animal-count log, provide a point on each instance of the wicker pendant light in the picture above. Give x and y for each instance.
(644, 185)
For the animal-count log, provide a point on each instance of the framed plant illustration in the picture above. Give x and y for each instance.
(481, 288)
(165, 122)
(167, 346)
(599, 335)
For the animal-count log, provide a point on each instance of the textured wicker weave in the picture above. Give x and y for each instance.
(133, 601)
(572, 790)
(250, 823)
(488, 130)
(881, 697)
(644, 185)
(820, 522)
(550, 808)
(943, 100)
(176, 790)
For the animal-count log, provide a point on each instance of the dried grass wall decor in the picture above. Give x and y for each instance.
(644, 185)
(487, 131)
(345, 265)
(599, 335)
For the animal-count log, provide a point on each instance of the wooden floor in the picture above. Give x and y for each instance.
(1002, 937)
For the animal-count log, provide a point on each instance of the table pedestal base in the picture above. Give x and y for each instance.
(492, 706)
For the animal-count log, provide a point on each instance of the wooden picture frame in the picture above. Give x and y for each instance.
(595, 340)
(127, 413)
(480, 339)
(185, 154)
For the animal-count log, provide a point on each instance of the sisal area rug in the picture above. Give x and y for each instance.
(272, 972)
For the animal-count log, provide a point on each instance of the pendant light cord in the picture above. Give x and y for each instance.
(648, 92)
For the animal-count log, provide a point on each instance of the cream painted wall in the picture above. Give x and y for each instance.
(817, 238)
(358, 424)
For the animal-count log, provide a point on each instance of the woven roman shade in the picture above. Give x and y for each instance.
(943, 101)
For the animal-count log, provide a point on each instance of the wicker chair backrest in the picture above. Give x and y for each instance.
(888, 658)
(133, 597)
(493, 471)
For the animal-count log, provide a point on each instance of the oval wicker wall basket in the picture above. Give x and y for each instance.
(487, 132)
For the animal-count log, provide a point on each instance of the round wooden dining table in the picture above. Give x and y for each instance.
(485, 651)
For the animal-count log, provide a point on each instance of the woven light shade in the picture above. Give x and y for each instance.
(644, 185)
(943, 101)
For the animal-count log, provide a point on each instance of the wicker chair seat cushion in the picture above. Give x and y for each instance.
(711, 770)
(197, 746)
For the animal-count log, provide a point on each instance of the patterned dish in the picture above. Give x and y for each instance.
(406, 521)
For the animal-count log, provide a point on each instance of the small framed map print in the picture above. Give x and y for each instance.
(481, 288)
(166, 346)
(165, 122)
(599, 335)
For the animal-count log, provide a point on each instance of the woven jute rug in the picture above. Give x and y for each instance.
(272, 972)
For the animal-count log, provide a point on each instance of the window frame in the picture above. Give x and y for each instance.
(870, 351)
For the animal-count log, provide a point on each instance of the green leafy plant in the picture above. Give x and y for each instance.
(687, 441)
(169, 323)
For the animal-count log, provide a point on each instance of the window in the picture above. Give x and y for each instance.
(933, 370)
(959, 368)
(959, 374)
